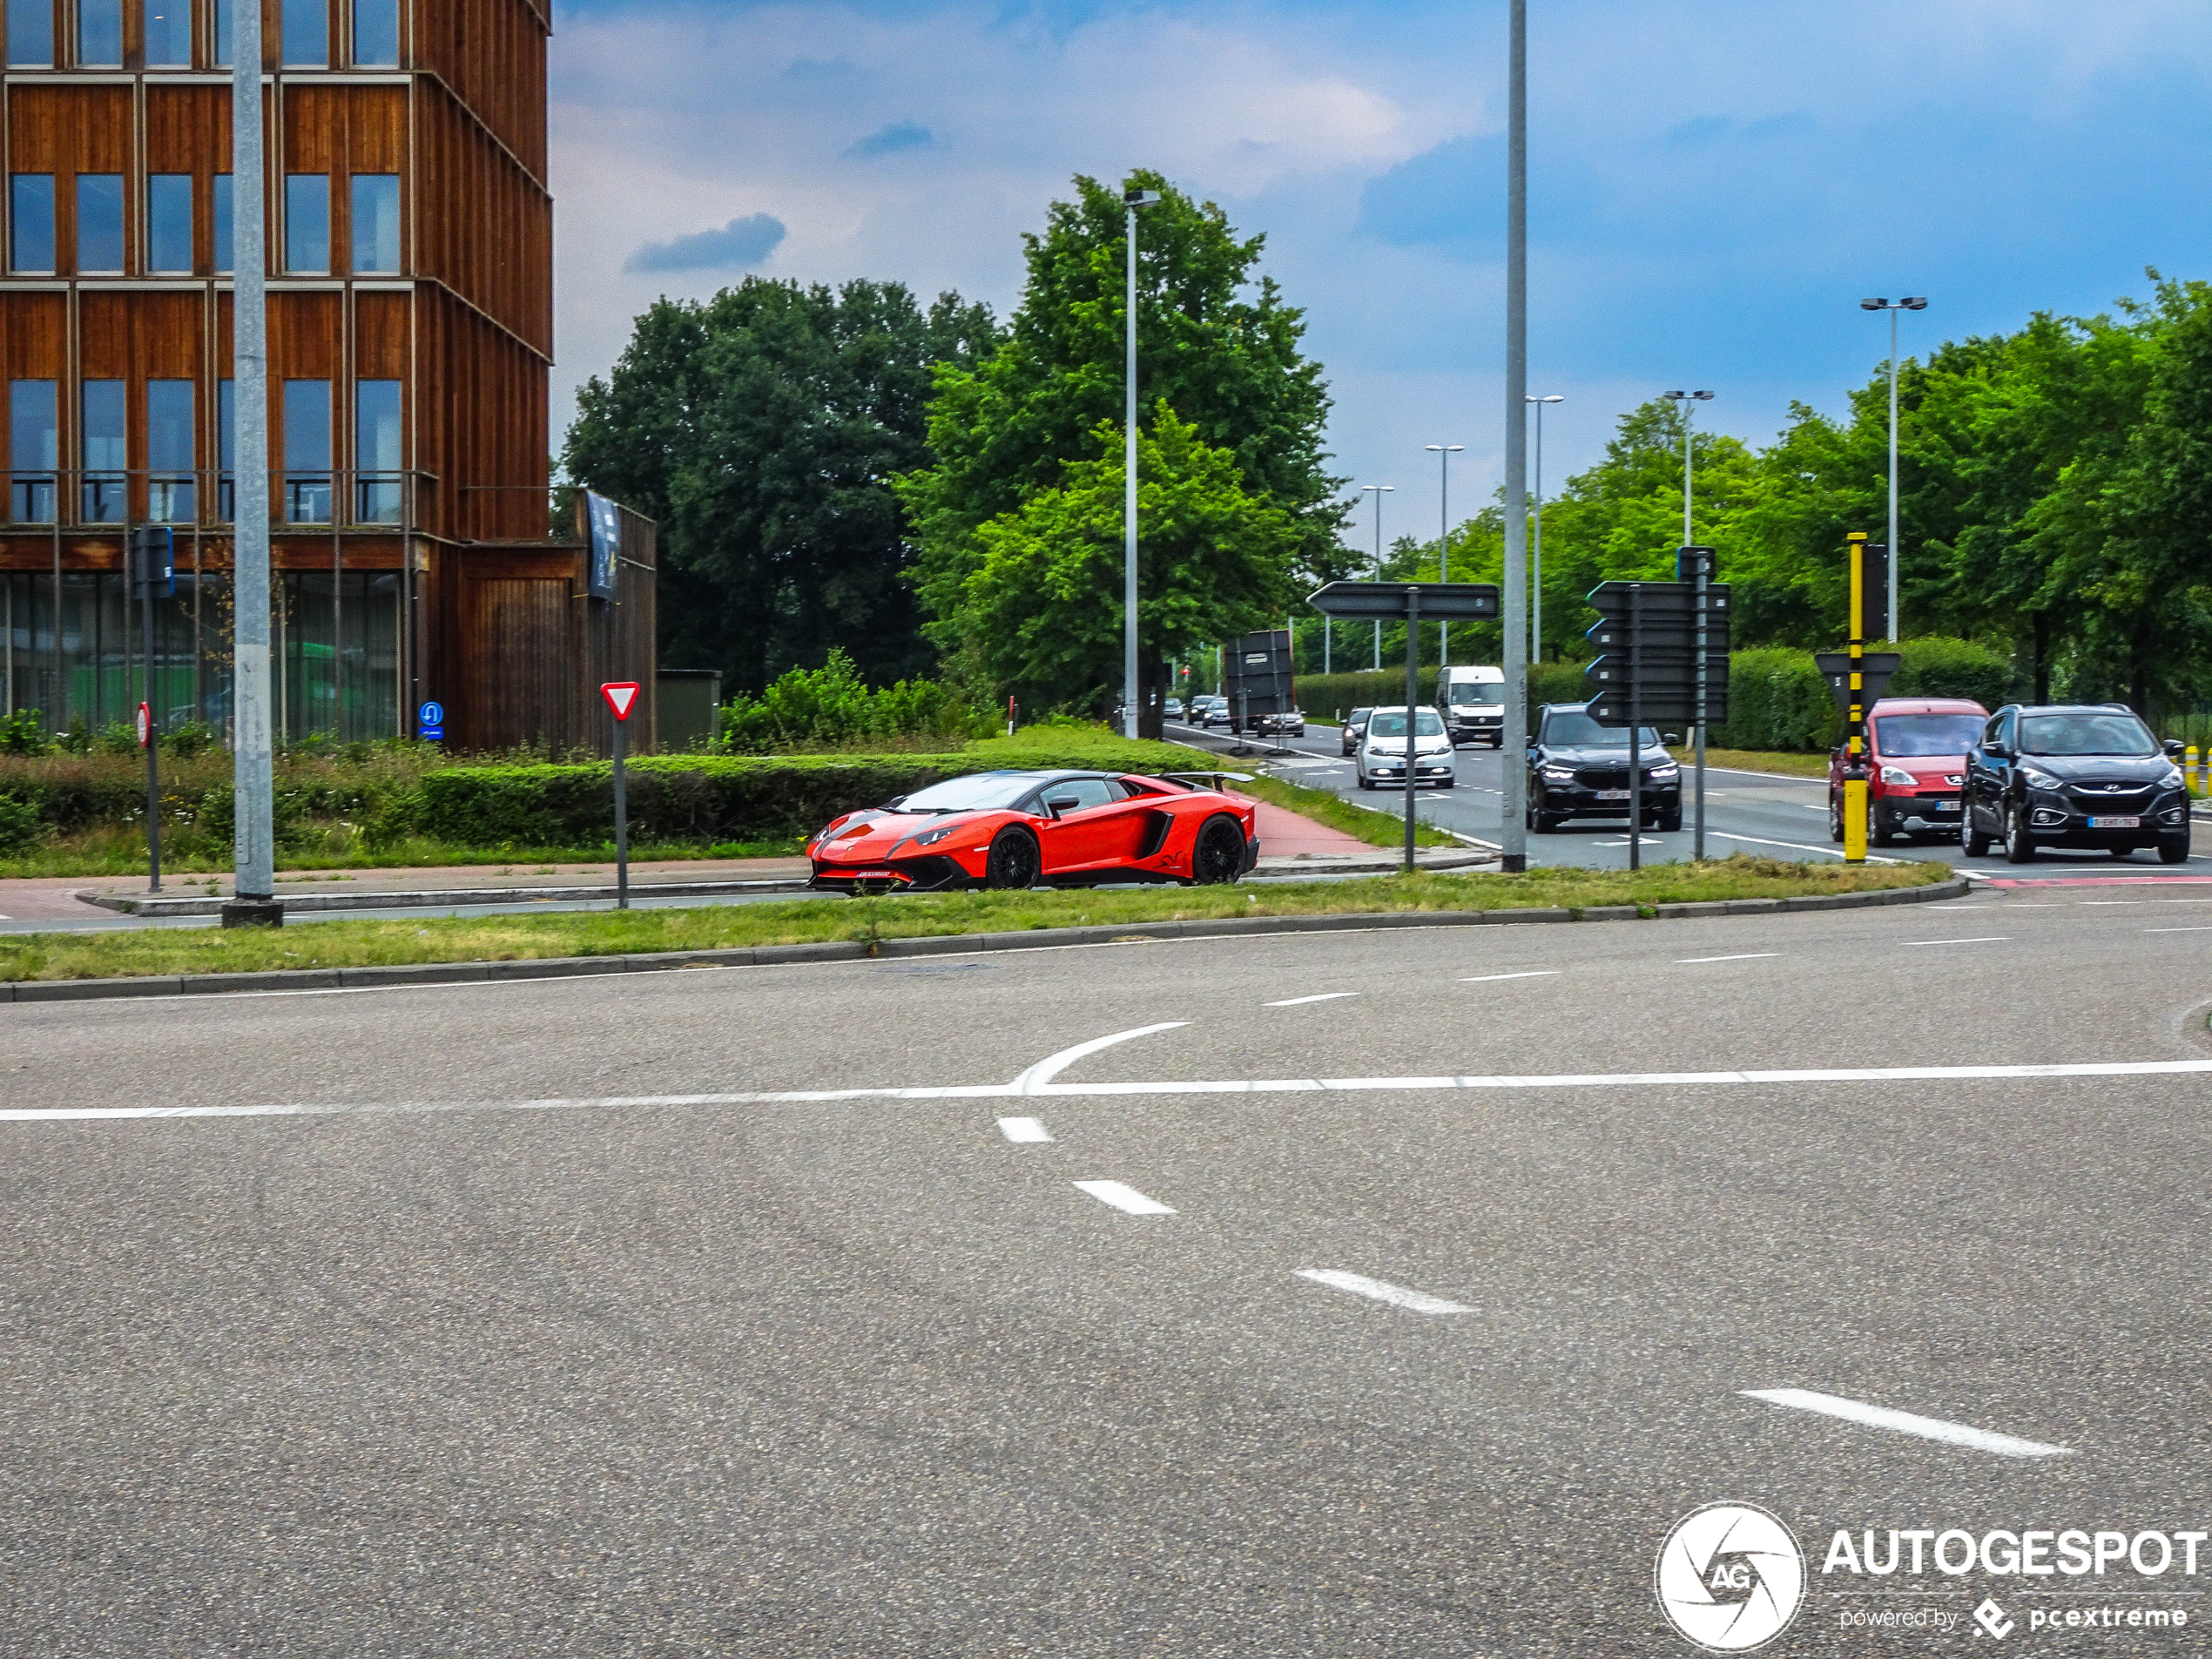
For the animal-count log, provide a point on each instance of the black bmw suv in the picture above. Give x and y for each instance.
(2074, 775)
(1580, 769)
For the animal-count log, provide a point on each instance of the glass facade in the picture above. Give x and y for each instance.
(172, 495)
(107, 483)
(31, 223)
(225, 13)
(169, 223)
(376, 452)
(168, 34)
(99, 34)
(306, 223)
(225, 235)
(376, 224)
(306, 452)
(336, 640)
(307, 34)
(376, 33)
(100, 224)
(31, 34)
(34, 451)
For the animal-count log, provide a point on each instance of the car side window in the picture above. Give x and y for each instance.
(1085, 791)
(1993, 733)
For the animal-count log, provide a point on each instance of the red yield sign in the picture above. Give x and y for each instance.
(146, 725)
(622, 697)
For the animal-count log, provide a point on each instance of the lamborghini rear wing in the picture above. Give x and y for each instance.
(1204, 779)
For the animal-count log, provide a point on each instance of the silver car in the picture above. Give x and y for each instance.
(1355, 726)
(1383, 745)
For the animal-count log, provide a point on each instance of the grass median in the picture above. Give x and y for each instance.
(1362, 823)
(511, 938)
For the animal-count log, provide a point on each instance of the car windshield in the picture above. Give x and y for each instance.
(979, 792)
(1483, 691)
(1359, 717)
(1390, 722)
(1907, 737)
(1575, 730)
(2086, 734)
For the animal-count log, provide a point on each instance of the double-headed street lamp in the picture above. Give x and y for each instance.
(1380, 491)
(1131, 199)
(1687, 402)
(1444, 452)
(1916, 302)
(1536, 572)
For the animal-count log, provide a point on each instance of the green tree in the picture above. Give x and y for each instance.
(1041, 603)
(1216, 343)
(762, 429)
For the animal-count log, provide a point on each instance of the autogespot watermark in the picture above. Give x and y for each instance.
(1731, 1577)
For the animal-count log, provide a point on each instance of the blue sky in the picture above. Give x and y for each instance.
(1713, 186)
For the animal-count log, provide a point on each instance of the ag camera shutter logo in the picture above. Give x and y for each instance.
(1730, 1577)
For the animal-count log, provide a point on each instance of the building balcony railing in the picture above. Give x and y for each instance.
(298, 500)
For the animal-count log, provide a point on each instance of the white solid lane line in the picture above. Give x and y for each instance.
(1928, 1428)
(2178, 930)
(1023, 1130)
(1795, 846)
(1124, 1198)
(1296, 1001)
(1991, 939)
(1747, 956)
(1534, 972)
(1230, 1086)
(1380, 1291)
(1036, 1077)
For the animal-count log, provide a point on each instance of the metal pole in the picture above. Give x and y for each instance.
(1378, 495)
(1697, 838)
(1536, 557)
(254, 769)
(1689, 413)
(622, 820)
(153, 734)
(1413, 686)
(1443, 552)
(1129, 494)
(1636, 725)
(1855, 712)
(1894, 556)
(1511, 737)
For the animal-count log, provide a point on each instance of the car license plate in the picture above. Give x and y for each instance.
(2115, 823)
(1946, 806)
(1613, 795)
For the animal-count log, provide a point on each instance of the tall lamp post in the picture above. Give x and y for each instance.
(1512, 854)
(1379, 491)
(1915, 302)
(1444, 452)
(1687, 402)
(1536, 558)
(1131, 199)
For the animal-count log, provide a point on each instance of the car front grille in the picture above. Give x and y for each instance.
(1602, 776)
(2100, 792)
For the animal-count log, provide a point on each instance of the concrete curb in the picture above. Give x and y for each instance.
(334, 979)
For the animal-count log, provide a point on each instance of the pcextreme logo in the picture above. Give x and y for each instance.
(1730, 1577)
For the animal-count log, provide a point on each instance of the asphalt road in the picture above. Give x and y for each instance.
(1745, 812)
(592, 1316)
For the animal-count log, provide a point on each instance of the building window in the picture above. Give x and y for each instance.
(306, 223)
(376, 223)
(376, 33)
(30, 222)
(168, 34)
(31, 35)
(107, 481)
(169, 222)
(99, 223)
(226, 450)
(224, 11)
(99, 33)
(34, 439)
(225, 233)
(306, 452)
(307, 34)
(376, 452)
(171, 452)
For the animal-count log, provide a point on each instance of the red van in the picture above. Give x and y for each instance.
(1916, 767)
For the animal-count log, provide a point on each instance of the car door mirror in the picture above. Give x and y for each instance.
(1060, 804)
(2173, 747)
(1670, 737)
(1996, 751)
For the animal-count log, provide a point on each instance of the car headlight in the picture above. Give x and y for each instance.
(1556, 775)
(2172, 779)
(1662, 774)
(1901, 778)
(926, 838)
(2038, 780)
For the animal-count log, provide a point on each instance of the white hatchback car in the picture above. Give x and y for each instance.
(1382, 750)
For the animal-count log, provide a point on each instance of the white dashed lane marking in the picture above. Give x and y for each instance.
(1993, 939)
(1381, 1290)
(1928, 1428)
(1747, 956)
(1295, 1001)
(1534, 972)
(1023, 1130)
(1127, 1199)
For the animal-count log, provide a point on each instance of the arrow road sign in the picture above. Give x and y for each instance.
(622, 697)
(1439, 601)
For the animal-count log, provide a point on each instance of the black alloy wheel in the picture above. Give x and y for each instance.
(1835, 818)
(2175, 852)
(2019, 845)
(1218, 856)
(2121, 852)
(1971, 842)
(1542, 823)
(1669, 822)
(1014, 860)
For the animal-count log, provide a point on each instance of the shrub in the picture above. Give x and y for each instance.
(23, 733)
(19, 828)
(1776, 700)
(830, 706)
(1939, 666)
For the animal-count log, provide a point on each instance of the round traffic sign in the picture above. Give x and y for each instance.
(432, 714)
(146, 725)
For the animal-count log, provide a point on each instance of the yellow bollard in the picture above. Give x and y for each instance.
(1855, 820)
(2190, 775)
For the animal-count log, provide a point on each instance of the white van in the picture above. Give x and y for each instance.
(1472, 701)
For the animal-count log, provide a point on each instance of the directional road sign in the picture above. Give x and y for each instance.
(1875, 668)
(1647, 633)
(622, 697)
(1387, 601)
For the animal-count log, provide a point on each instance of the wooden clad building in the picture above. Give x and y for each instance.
(418, 550)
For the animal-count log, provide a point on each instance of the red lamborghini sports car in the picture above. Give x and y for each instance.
(1026, 829)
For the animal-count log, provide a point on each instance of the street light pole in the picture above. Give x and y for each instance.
(1687, 402)
(1911, 302)
(1380, 491)
(1513, 854)
(1536, 567)
(1444, 452)
(1132, 199)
